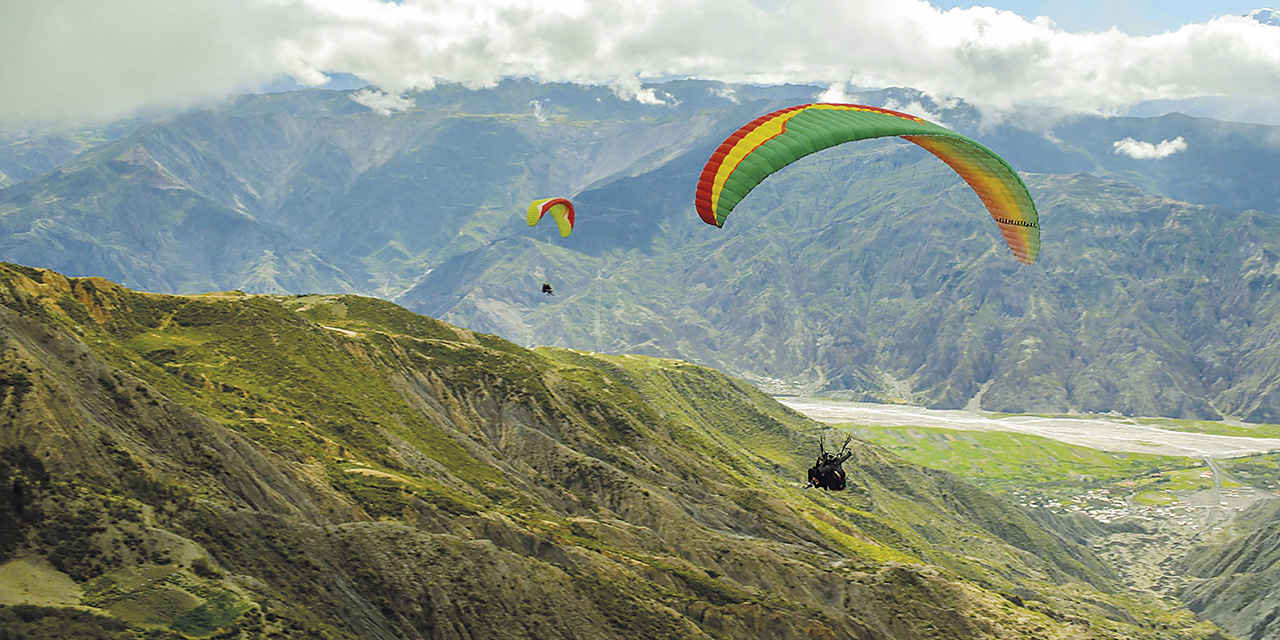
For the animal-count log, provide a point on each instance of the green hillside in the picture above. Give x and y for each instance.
(257, 466)
(1035, 469)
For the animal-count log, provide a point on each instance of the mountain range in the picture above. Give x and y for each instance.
(869, 270)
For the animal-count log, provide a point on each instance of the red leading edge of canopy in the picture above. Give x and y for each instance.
(702, 198)
(568, 214)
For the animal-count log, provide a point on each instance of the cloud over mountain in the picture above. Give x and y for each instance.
(381, 103)
(85, 59)
(1140, 150)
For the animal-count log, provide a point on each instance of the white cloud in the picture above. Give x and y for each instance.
(382, 103)
(537, 110)
(87, 58)
(915, 108)
(631, 88)
(1148, 151)
(837, 93)
(727, 93)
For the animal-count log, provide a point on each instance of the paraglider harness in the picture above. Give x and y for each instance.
(827, 472)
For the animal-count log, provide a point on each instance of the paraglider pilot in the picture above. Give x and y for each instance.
(546, 288)
(827, 472)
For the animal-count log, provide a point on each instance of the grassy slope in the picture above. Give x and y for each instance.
(1030, 466)
(313, 447)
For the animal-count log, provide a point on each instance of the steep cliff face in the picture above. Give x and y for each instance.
(244, 466)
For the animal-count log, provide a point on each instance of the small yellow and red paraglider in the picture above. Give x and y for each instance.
(561, 211)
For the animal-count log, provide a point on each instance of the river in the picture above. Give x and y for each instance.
(1094, 432)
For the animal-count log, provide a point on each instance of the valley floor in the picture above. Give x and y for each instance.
(1093, 432)
(1195, 510)
(1148, 559)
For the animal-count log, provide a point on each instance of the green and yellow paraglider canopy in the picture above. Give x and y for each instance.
(560, 209)
(777, 139)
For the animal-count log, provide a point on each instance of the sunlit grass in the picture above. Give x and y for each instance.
(1038, 469)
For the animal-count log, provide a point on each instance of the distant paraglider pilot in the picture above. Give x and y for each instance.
(546, 288)
(827, 472)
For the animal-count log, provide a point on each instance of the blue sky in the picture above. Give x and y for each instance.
(1136, 17)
